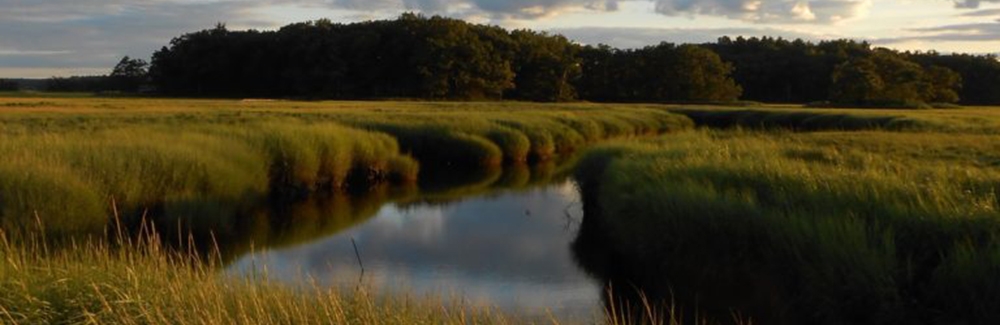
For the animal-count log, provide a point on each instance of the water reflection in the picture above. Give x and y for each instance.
(494, 237)
(508, 249)
(229, 229)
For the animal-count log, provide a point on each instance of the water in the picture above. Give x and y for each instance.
(505, 249)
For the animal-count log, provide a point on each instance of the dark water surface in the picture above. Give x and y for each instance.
(504, 248)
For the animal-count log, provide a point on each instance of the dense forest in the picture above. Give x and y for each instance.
(441, 58)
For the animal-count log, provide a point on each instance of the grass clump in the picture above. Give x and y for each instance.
(794, 228)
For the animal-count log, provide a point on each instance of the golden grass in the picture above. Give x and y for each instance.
(138, 283)
(66, 158)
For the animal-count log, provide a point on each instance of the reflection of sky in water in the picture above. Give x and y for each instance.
(509, 250)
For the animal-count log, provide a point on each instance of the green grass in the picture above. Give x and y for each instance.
(824, 228)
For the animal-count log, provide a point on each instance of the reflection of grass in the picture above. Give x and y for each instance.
(871, 227)
(93, 284)
(237, 227)
(518, 177)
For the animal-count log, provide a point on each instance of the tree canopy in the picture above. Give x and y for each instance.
(420, 57)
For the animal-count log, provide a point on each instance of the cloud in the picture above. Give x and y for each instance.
(767, 11)
(499, 9)
(971, 4)
(96, 33)
(982, 13)
(974, 32)
(540, 8)
(640, 37)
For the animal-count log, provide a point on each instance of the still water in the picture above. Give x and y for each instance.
(508, 249)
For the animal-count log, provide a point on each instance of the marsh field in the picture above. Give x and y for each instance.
(146, 210)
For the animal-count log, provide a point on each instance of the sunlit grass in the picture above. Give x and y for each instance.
(138, 283)
(66, 159)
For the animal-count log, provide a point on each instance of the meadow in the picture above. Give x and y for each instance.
(774, 214)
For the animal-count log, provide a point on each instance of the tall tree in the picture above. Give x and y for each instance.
(856, 81)
(129, 74)
(544, 67)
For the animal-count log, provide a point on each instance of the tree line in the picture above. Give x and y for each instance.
(421, 57)
(128, 76)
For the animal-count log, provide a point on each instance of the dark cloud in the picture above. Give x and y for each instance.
(639, 37)
(972, 4)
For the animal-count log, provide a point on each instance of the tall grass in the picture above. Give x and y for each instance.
(803, 228)
(139, 283)
(65, 159)
(68, 178)
(967, 120)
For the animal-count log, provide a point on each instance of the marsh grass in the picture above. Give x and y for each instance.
(978, 120)
(68, 178)
(138, 282)
(66, 158)
(803, 228)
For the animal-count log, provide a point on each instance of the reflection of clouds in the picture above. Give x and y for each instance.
(424, 222)
(486, 250)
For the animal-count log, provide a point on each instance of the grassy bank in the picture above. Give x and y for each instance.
(980, 120)
(69, 161)
(93, 284)
(823, 228)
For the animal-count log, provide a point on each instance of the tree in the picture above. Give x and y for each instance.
(856, 81)
(597, 81)
(129, 74)
(978, 75)
(886, 77)
(700, 75)
(944, 84)
(544, 67)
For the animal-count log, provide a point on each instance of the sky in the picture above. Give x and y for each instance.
(44, 38)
